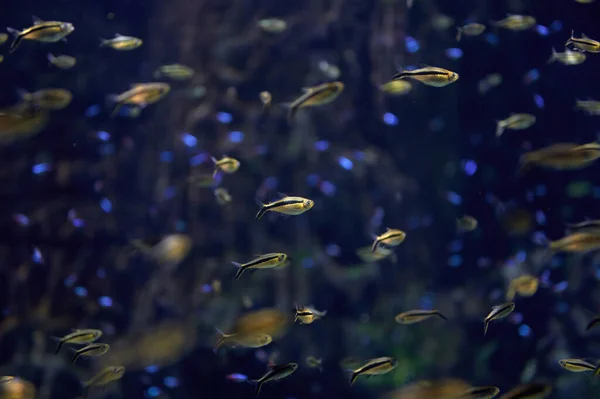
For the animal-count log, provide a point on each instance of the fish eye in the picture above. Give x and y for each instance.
(281, 257)
(307, 203)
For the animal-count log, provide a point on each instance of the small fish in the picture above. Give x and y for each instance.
(579, 242)
(593, 323)
(105, 376)
(48, 99)
(591, 224)
(479, 393)
(431, 76)
(314, 96)
(18, 124)
(122, 43)
(531, 390)
(585, 1)
(368, 256)
(569, 57)
(466, 223)
(222, 195)
(266, 261)
(590, 107)
(140, 95)
(576, 365)
(391, 238)
(6, 379)
(1, 58)
(308, 314)
(378, 366)
(41, 31)
(515, 122)
(83, 336)
(330, 70)
(3, 38)
(525, 285)
(91, 350)
(174, 71)
(498, 312)
(583, 43)
(62, 61)
(276, 372)
(516, 22)
(472, 29)
(417, 316)
(396, 87)
(314, 363)
(168, 251)
(249, 340)
(225, 164)
(286, 205)
(489, 82)
(562, 156)
(265, 98)
(272, 25)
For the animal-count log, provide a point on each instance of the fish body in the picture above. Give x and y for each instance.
(122, 43)
(91, 350)
(19, 124)
(140, 95)
(276, 372)
(584, 241)
(515, 122)
(583, 43)
(568, 57)
(272, 25)
(590, 107)
(479, 393)
(314, 362)
(105, 376)
(525, 285)
(6, 379)
(466, 223)
(367, 255)
(562, 156)
(48, 99)
(529, 391)
(3, 38)
(41, 31)
(396, 87)
(378, 366)
(417, 316)
(498, 312)
(265, 98)
(431, 76)
(248, 340)
(286, 205)
(391, 238)
(62, 61)
(516, 22)
(169, 251)
(174, 71)
(593, 323)
(472, 29)
(83, 336)
(307, 314)
(314, 96)
(576, 365)
(266, 261)
(222, 195)
(226, 164)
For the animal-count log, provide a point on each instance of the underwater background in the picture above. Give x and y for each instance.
(115, 217)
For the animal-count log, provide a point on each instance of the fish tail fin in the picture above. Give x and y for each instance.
(103, 42)
(499, 128)
(375, 245)
(459, 32)
(59, 344)
(485, 327)
(240, 270)
(353, 377)
(261, 212)
(553, 56)
(51, 57)
(221, 340)
(17, 41)
(258, 386)
(291, 110)
(75, 357)
(438, 313)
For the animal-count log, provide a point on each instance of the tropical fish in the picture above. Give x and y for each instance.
(286, 205)
(272, 25)
(276, 372)
(106, 375)
(62, 61)
(583, 43)
(174, 71)
(378, 366)
(568, 57)
(562, 156)
(466, 223)
(314, 96)
(82, 336)
(515, 122)
(472, 29)
(417, 316)
(140, 95)
(17, 124)
(525, 285)
(225, 164)
(266, 261)
(391, 238)
(250, 340)
(41, 31)
(576, 365)
(265, 98)
(479, 393)
(431, 76)
(308, 314)
(48, 99)
(222, 195)
(590, 107)
(396, 87)
(122, 43)
(498, 312)
(516, 22)
(314, 362)
(168, 251)
(91, 350)
(583, 241)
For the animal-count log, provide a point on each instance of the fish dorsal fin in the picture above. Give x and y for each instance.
(282, 195)
(134, 85)
(584, 36)
(36, 20)
(307, 89)
(118, 35)
(388, 229)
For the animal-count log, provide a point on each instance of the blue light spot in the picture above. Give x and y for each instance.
(105, 301)
(206, 288)
(198, 159)
(412, 45)
(333, 250)
(37, 256)
(236, 136)
(153, 392)
(540, 218)
(455, 261)
(542, 30)
(454, 53)
(454, 198)
(390, 119)
(426, 301)
(77, 222)
(328, 188)
(237, 377)
(312, 180)
(106, 205)
(271, 183)
(532, 76)
(152, 369)
(101, 273)
(470, 167)
(455, 246)
(308, 263)
(596, 192)
(21, 219)
(516, 318)
(81, 291)
(322, 145)
(359, 155)
(524, 330)
(103, 136)
(70, 280)
(492, 39)
(166, 156)
(539, 101)
(521, 256)
(171, 382)
(92, 111)
(189, 140)
(345, 163)
(560, 287)
(40, 168)
(224, 117)
(556, 26)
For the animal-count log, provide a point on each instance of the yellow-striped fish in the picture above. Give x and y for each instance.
(590, 107)
(515, 122)
(391, 238)
(140, 95)
(431, 76)
(266, 261)
(576, 365)
(105, 376)
(82, 336)
(49, 99)
(247, 340)
(41, 31)
(525, 285)
(286, 205)
(174, 71)
(276, 372)
(122, 43)
(568, 57)
(314, 96)
(498, 312)
(583, 43)
(417, 316)
(472, 29)
(516, 22)
(378, 366)
(308, 314)
(584, 241)
(562, 156)
(225, 164)
(91, 350)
